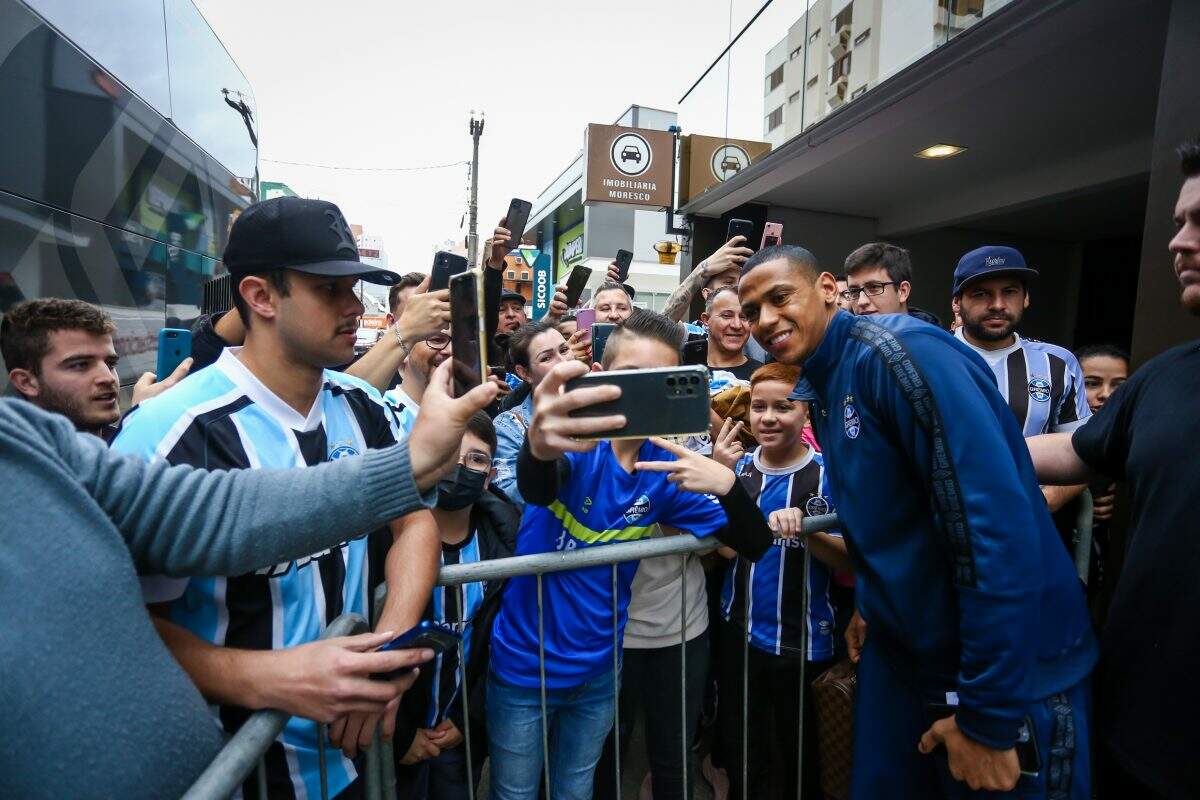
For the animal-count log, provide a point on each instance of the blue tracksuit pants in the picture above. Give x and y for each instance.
(890, 716)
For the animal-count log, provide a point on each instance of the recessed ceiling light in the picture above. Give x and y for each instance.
(940, 151)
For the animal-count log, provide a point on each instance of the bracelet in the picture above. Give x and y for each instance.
(400, 340)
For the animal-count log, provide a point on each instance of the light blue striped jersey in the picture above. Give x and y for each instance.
(447, 607)
(1042, 384)
(403, 407)
(223, 417)
(776, 584)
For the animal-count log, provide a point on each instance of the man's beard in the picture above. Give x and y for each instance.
(73, 408)
(978, 331)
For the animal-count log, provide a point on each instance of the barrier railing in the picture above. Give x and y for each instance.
(246, 748)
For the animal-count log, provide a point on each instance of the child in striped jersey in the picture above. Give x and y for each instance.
(763, 602)
(475, 524)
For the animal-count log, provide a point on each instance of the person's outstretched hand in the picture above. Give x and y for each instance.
(425, 313)
(690, 471)
(727, 447)
(552, 430)
(728, 258)
(975, 764)
(497, 247)
(440, 424)
(146, 387)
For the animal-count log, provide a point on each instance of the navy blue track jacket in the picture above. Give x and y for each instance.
(963, 579)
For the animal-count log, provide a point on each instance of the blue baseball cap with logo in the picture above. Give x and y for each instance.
(989, 261)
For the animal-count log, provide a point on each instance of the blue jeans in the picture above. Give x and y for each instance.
(578, 721)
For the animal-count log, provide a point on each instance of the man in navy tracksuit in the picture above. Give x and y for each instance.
(969, 597)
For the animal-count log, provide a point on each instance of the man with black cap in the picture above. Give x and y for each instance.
(1042, 383)
(274, 402)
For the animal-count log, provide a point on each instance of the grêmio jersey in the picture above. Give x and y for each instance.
(776, 581)
(447, 607)
(223, 417)
(1042, 384)
(600, 504)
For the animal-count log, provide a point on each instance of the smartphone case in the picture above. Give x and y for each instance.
(667, 401)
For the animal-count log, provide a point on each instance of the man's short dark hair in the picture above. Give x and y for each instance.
(645, 324)
(407, 281)
(1189, 158)
(896, 261)
(1102, 350)
(797, 256)
(26, 328)
(609, 286)
(520, 340)
(712, 297)
(481, 425)
(278, 278)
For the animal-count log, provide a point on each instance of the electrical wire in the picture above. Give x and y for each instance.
(366, 169)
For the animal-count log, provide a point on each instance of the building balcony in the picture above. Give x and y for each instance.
(839, 42)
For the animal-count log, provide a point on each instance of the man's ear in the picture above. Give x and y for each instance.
(704, 318)
(25, 382)
(391, 319)
(256, 291)
(956, 304)
(826, 285)
(488, 480)
(1026, 304)
(705, 292)
(903, 291)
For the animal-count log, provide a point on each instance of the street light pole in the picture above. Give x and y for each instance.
(473, 208)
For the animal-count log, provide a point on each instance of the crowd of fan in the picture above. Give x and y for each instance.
(257, 494)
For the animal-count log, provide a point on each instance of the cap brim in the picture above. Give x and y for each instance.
(1022, 272)
(349, 269)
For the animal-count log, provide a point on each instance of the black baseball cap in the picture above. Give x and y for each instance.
(509, 294)
(298, 234)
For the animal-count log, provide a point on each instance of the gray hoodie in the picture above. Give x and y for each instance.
(94, 704)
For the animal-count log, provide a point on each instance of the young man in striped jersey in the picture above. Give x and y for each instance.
(786, 478)
(1041, 382)
(475, 525)
(273, 403)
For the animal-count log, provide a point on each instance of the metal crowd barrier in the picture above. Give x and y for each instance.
(245, 750)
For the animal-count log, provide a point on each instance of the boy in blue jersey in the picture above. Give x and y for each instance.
(587, 494)
(272, 403)
(977, 630)
(475, 525)
(764, 602)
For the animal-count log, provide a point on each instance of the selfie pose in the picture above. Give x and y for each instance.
(978, 639)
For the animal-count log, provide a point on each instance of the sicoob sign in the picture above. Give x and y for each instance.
(628, 165)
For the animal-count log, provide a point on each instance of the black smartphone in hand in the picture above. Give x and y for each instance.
(467, 335)
(667, 401)
(623, 260)
(576, 283)
(445, 266)
(516, 219)
(740, 227)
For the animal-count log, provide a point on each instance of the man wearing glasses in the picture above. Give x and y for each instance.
(421, 361)
(879, 281)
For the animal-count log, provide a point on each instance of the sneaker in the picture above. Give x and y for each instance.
(716, 778)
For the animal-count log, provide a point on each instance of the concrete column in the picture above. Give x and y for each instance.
(1159, 322)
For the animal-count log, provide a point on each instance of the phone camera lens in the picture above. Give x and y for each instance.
(694, 380)
(670, 381)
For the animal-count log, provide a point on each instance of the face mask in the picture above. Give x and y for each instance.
(460, 490)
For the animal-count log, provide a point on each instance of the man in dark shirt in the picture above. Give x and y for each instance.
(1147, 694)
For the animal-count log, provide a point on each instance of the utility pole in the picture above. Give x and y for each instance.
(473, 208)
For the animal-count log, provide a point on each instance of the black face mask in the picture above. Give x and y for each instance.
(461, 489)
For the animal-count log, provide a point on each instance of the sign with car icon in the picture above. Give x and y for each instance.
(728, 160)
(631, 154)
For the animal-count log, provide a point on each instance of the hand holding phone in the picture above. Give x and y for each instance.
(174, 345)
(516, 219)
(445, 266)
(623, 260)
(667, 401)
(425, 635)
(467, 334)
(740, 227)
(576, 283)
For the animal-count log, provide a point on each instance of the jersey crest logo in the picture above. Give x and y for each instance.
(850, 418)
(639, 509)
(817, 505)
(342, 451)
(1039, 389)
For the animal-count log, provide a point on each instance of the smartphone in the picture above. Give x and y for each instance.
(624, 259)
(445, 266)
(174, 345)
(467, 336)
(695, 351)
(1029, 760)
(740, 227)
(772, 234)
(599, 338)
(667, 401)
(575, 283)
(425, 634)
(516, 219)
(584, 319)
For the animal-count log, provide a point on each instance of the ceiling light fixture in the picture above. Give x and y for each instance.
(940, 151)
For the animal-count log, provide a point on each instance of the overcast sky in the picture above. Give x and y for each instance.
(391, 84)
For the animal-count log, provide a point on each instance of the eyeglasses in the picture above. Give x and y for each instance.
(476, 461)
(872, 289)
(437, 341)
